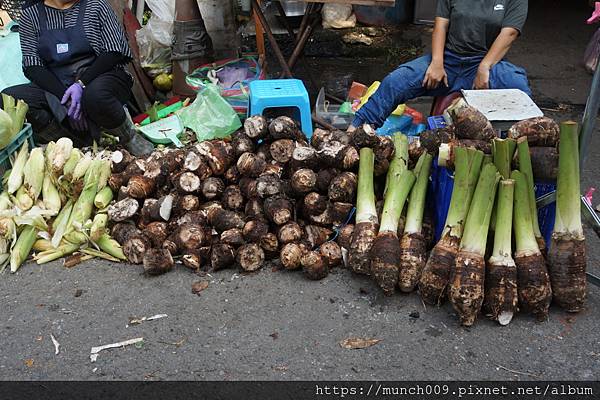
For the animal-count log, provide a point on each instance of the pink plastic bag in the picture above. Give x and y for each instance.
(592, 53)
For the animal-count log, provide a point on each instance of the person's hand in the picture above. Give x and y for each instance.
(72, 97)
(435, 75)
(482, 79)
(78, 125)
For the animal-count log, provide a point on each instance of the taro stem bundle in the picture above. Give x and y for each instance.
(413, 251)
(367, 222)
(385, 254)
(566, 259)
(501, 296)
(466, 282)
(526, 169)
(436, 274)
(533, 282)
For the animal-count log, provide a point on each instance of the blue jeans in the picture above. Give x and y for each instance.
(405, 83)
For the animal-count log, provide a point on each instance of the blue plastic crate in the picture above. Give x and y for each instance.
(25, 134)
(436, 121)
(440, 193)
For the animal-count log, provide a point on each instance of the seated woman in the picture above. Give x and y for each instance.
(74, 54)
(470, 40)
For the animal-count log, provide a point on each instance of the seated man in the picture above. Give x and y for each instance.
(470, 40)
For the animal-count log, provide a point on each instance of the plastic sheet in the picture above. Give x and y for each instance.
(155, 38)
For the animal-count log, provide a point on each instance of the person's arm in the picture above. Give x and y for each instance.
(435, 72)
(103, 63)
(494, 55)
(45, 79)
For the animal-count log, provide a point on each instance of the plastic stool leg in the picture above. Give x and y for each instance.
(306, 121)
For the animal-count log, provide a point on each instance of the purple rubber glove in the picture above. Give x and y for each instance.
(72, 97)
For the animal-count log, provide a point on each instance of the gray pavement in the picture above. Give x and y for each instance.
(278, 325)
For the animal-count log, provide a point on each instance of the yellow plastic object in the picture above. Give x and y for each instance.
(372, 89)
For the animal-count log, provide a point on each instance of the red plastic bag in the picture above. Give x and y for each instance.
(592, 53)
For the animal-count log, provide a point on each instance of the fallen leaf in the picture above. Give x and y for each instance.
(281, 368)
(78, 293)
(39, 338)
(274, 335)
(199, 286)
(358, 343)
(29, 362)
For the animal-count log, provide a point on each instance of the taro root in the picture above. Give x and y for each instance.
(343, 187)
(278, 209)
(314, 265)
(123, 231)
(157, 232)
(413, 253)
(186, 182)
(317, 235)
(223, 220)
(275, 168)
(332, 253)
(281, 150)
(284, 128)
(222, 256)
(340, 212)
(304, 180)
(123, 210)
(254, 209)
(430, 141)
(250, 257)
(470, 123)
(264, 151)
(117, 181)
(566, 259)
(321, 137)
(119, 160)
(501, 296)
(314, 203)
(157, 262)
(197, 217)
(291, 255)
(304, 157)
(339, 155)
(345, 236)
(436, 273)
(324, 178)
(466, 291)
(233, 237)
(385, 251)
(136, 167)
(384, 152)
(186, 203)
(192, 260)
(190, 236)
(161, 209)
(242, 143)
(232, 198)
(254, 230)
(256, 127)
(217, 153)
(212, 188)
(170, 245)
(268, 185)
(533, 282)
(251, 165)
(544, 163)
(232, 175)
(365, 136)
(249, 188)
(135, 247)
(290, 232)
(539, 131)
(269, 244)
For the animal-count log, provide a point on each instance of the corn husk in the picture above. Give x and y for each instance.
(33, 173)
(81, 167)
(22, 248)
(50, 195)
(110, 246)
(98, 227)
(103, 198)
(71, 163)
(22, 199)
(15, 179)
(60, 155)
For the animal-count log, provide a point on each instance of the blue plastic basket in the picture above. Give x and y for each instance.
(25, 134)
(440, 193)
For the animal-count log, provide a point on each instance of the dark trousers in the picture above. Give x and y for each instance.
(102, 103)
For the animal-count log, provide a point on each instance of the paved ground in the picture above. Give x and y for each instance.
(277, 325)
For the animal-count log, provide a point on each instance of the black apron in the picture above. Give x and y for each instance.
(67, 53)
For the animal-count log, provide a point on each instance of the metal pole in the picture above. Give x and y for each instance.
(588, 122)
(267, 29)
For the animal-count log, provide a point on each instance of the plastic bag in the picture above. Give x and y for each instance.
(592, 53)
(155, 38)
(338, 16)
(210, 116)
(10, 62)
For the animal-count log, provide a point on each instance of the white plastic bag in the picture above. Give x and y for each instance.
(338, 16)
(155, 38)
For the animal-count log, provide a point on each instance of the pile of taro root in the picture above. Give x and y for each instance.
(265, 194)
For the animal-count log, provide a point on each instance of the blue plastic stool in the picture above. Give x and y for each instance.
(281, 93)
